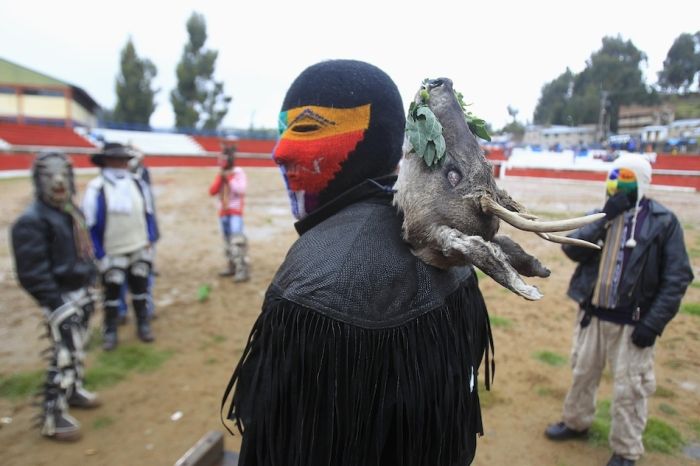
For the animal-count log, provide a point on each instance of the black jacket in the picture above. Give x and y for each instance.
(45, 256)
(363, 354)
(655, 276)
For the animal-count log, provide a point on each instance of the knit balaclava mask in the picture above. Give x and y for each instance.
(341, 122)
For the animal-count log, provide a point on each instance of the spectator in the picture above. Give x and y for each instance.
(120, 216)
(54, 264)
(627, 294)
(230, 186)
(363, 354)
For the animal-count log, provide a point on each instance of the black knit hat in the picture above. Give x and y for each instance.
(112, 150)
(347, 84)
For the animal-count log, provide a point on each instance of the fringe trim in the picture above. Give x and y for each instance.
(310, 390)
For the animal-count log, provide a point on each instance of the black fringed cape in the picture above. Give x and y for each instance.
(363, 355)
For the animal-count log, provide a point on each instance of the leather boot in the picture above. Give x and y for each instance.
(143, 323)
(109, 339)
(56, 423)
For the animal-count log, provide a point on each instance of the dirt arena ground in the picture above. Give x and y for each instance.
(205, 339)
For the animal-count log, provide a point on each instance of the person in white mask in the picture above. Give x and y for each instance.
(54, 264)
(119, 214)
(627, 293)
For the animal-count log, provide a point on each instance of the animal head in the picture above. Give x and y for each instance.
(451, 203)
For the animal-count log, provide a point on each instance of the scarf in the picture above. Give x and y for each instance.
(611, 262)
(83, 243)
(119, 200)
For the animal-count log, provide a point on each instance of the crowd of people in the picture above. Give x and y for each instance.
(67, 255)
(362, 353)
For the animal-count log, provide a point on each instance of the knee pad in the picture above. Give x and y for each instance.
(115, 276)
(239, 240)
(140, 269)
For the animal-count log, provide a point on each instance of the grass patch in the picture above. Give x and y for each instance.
(218, 338)
(102, 422)
(20, 385)
(211, 361)
(661, 437)
(694, 253)
(663, 392)
(695, 425)
(488, 398)
(667, 409)
(501, 322)
(544, 391)
(480, 275)
(550, 358)
(113, 366)
(95, 340)
(695, 285)
(600, 429)
(658, 436)
(691, 308)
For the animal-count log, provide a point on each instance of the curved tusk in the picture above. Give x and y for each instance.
(567, 240)
(489, 205)
(527, 216)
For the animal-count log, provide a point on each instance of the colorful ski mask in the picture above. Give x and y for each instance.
(631, 174)
(341, 122)
(52, 173)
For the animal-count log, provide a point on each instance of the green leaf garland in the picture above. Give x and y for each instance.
(424, 130)
(425, 134)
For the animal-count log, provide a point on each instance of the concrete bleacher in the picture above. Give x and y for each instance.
(211, 143)
(14, 134)
(150, 143)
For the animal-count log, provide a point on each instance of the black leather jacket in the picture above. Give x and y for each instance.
(45, 257)
(363, 354)
(655, 276)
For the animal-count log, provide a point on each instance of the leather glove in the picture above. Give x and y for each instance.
(643, 336)
(616, 204)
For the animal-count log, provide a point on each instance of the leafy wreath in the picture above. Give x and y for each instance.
(424, 130)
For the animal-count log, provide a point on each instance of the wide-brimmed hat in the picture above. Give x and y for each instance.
(112, 150)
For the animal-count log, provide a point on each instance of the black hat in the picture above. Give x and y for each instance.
(112, 150)
(346, 84)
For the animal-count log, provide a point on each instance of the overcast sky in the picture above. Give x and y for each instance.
(497, 52)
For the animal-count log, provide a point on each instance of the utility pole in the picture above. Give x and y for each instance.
(602, 132)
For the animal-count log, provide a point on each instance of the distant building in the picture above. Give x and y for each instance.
(559, 136)
(633, 119)
(27, 96)
(684, 129)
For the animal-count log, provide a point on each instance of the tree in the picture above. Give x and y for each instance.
(198, 100)
(135, 94)
(682, 64)
(554, 97)
(612, 77)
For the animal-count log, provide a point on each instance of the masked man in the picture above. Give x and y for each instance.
(121, 220)
(54, 264)
(363, 354)
(627, 294)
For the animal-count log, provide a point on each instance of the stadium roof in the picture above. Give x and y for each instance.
(15, 74)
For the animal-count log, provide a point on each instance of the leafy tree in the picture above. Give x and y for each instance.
(612, 77)
(554, 98)
(198, 100)
(515, 128)
(135, 94)
(682, 64)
